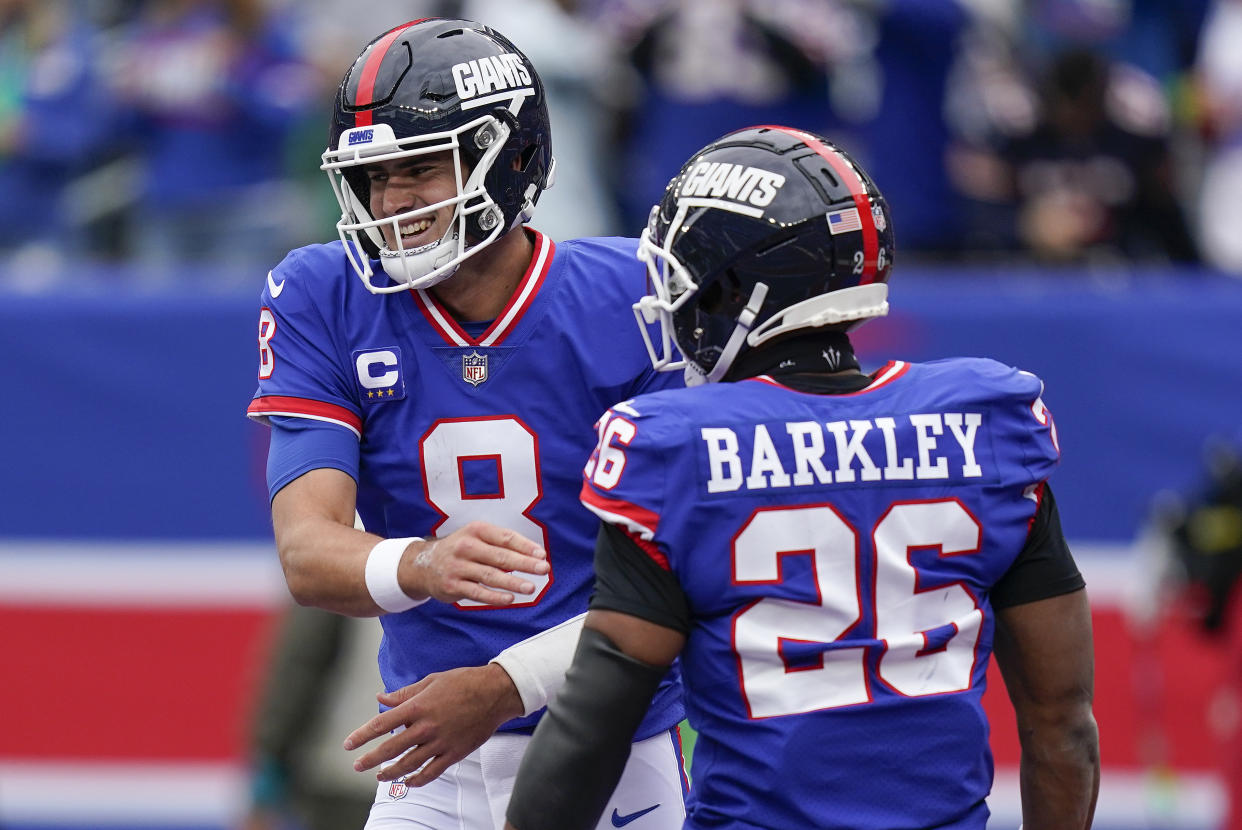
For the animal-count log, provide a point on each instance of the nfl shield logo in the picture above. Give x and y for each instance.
(877, 215)
(474, 368)
(397, 789)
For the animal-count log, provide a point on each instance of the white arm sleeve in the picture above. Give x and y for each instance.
(537, 665)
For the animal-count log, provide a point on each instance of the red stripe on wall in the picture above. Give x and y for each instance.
(1155, 694)
(129, 683)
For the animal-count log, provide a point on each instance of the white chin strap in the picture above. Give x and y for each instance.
(695, 376)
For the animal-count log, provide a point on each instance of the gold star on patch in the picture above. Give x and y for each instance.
(370, 394)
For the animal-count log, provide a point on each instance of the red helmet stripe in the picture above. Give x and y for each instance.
(858, 190)
(370, 69)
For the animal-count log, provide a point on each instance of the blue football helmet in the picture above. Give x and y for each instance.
(431, 86)
(765, 231)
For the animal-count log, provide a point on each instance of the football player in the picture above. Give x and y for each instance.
(439, 369)
(835, 555)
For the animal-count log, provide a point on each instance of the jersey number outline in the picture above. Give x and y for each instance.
(267, 330)
(928, 633)
(506, 442)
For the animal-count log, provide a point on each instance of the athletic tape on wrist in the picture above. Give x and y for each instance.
(537, 665)
(381, 575)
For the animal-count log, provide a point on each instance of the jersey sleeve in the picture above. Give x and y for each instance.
(624, 479)
(1045, 567)
(1043, 446)
(629, 580)
(1025, 434)
(301, 371)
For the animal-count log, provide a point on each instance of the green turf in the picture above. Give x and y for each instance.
(688, 739)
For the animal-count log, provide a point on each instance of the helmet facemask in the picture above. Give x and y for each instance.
(473, 206)
(670, 286)
(674, 290)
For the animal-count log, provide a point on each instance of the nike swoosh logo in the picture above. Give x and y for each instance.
(619, 820)
(273, 288)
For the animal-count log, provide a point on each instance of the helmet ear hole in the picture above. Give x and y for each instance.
(522, 162)
(358, 182)
(711, 299)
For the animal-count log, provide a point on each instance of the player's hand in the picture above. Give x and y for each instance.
(475, 562)
(446, 715)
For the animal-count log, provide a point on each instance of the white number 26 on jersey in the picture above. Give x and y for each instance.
(905, 607)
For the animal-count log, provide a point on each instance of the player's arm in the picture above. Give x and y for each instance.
(582, 744)
(1043, 647)
(636, 627)
(439, 729)
(1044, 652)
(522, 678)
(330, 564)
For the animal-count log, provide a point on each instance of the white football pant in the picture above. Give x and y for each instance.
(473, 793)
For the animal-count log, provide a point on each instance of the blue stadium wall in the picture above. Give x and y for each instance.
(136, 557)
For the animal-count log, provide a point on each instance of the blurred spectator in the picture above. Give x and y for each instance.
(1204, 538)
(1219, 75)
(872, 75)
(321, 683)
(700, 68)
(213, 88)
(1087, 175)
(1157, 36)
(903, 135)
(54, 117)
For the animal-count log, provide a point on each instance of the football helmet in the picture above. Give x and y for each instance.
(765, 231)
(431, 86)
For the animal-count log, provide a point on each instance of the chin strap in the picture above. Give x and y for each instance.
(695, 376)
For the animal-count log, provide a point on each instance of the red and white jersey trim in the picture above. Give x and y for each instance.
(886, 375)
(637, 520)
(261, 408)
(507, 320)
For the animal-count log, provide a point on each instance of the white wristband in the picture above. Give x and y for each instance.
(381, 575)
(537, 665)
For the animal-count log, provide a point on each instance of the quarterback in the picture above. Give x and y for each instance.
(438, 369)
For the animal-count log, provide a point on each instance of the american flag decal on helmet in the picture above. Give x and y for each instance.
(843, 221)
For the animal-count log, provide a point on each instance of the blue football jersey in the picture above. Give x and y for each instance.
(837, 554)
(457, 425)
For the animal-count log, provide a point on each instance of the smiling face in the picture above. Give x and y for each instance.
(408, 184)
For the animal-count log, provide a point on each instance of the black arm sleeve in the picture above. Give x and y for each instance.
(1045, 567)
(629, 580)
(583, 742)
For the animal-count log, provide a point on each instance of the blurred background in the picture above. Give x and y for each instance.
(1066, 183)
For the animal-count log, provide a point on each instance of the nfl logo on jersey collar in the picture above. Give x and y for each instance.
(474, 368)
(379, 374)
